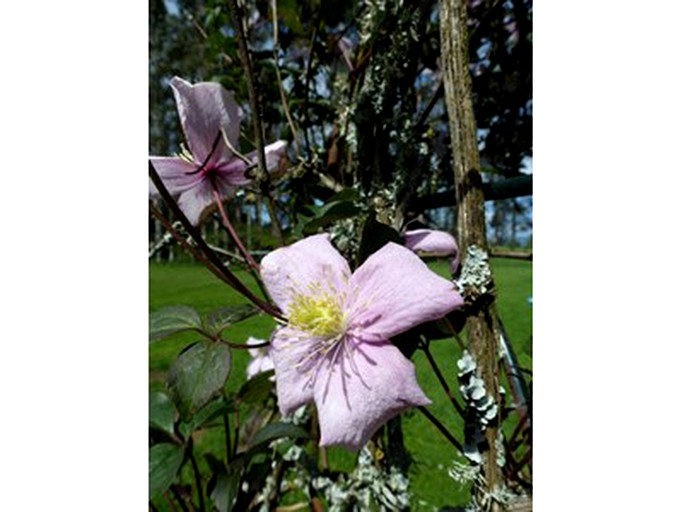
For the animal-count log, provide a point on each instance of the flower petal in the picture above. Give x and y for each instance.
(260, 358)
(194, 201)
(295, 269)
(365, 389)
(173, 172)
(204, 109)
(232, 173)
(275, 157)
(431, 242)
(393, 291)
(289, 352)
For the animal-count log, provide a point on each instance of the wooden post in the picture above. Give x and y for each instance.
(471, 225)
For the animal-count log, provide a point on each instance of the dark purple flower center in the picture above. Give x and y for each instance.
(203, 166)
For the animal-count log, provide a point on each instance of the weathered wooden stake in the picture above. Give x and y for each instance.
(480, 325)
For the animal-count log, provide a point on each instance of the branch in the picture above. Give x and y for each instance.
(519, 186)
(216, 263)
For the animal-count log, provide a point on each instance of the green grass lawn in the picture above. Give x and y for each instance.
(432, 488)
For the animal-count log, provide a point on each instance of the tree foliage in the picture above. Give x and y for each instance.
(357, 88)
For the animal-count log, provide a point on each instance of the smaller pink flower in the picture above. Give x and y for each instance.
(431, 242)
(208, 115)
(260, 359)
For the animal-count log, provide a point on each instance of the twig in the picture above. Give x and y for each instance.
(245, 57)
(441, 428)
(442, 381)
(179, 497)
(307, 81)
(237, 430)
(197, 474)
(254, 267)
(438, 93)
(283, 96)
(228, 443)
(169, 502)
(227, 276)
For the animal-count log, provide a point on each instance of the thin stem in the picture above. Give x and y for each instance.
(438, 93)
(270, 205)
(233, 234)
(307, 82)
(283, 96)
(197, 475)
(245, 346)
(442, 380)
(518, 465)
(454, 333)
(169, 502)
(315, 435)
(441, 428)
(179, 497)
(228, 447)
(521, 427)
(183, 242)
(237, 430)
(253, 267)
(245, 57)
(228, 276)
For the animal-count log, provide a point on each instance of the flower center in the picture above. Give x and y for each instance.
(320, 315)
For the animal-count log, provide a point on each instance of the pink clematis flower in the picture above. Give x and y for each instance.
(431, 242)
(210, 167)
(335, 349)
(260, 359)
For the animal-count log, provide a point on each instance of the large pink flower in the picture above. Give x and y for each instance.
(206, 108)
(335, 349)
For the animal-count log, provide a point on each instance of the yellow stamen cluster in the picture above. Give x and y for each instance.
(318, 314)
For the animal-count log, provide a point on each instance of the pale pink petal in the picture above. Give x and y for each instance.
(291, 352)
(194, 201)
(275, 157)
(431, 242)
(232, 173)
(254, 352)
(173, 172)
(204, 109)
(365, 389)
(260, 364)
(393, 291)
(303, 267)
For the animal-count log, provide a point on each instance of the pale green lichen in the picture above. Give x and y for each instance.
(475, 278)
(481, 407)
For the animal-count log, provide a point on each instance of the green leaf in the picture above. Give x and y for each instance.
(161, 411)
(173, 319)
(206, 414)
(347, 194)
(289, 12)
(197, 375)
(224, 489)
(224, 317)
(276, 431)
(375, 235)
(256, 389)
(165, 460)
(330, 213)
